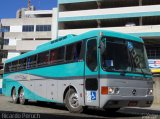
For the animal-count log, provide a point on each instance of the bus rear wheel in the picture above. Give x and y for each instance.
(72, 102)
(22, 99)
(14, 96)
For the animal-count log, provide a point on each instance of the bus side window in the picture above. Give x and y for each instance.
(7, 67)
(28, 62)
(52, 56)
(77, 51)
(14, 66)
(69, 52)
(73, 52)
(21, 64)
(91, 56)
(43, 58)
(57, 55)
(33, 61)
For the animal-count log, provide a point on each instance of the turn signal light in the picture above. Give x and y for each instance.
(104, 90)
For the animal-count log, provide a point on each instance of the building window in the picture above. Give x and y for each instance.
(43, 28)
(5, 29)
(4, 54)
(28, 28)
(5, 41)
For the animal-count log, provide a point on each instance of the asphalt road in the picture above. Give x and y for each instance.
(56, 111)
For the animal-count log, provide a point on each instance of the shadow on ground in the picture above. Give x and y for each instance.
(89, 113)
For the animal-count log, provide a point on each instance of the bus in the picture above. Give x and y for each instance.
(101, 69)
(154, 65)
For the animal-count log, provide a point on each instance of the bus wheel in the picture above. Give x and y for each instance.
(72, 102)
(22, 99)
(14, 96)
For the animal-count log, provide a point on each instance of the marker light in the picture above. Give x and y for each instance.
(104, 90)
(109, 90)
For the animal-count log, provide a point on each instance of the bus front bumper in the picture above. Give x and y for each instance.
(119, 102)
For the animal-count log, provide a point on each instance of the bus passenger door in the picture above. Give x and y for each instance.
(91, 73)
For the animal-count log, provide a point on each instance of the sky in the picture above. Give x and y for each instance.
(8, 8)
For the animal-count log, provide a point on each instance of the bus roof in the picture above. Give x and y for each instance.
(71, 39)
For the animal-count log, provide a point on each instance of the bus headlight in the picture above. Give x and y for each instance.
(150, 92)
(113, 90)
(110, 90)
(116, 90)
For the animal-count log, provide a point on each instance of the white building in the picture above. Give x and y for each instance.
(25, 33)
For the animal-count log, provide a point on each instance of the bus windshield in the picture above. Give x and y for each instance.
(123, 55)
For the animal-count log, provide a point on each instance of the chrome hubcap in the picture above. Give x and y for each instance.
(14, 95)
(21, 96)
(73, 100)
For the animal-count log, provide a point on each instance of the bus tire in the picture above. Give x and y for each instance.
(71, 102)
(22, 99)
(14, 96)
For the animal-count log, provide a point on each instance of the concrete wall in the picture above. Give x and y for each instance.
(146, 30)
(156, 89)
(25, 35)
(28, 45)
(26, 21)
(109, 13)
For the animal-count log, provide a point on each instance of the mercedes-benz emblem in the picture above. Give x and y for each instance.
(134, 91)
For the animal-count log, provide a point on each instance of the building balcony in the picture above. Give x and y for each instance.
(28, 45)
(110, 13)
(27, 35)
(9, 47)
(143, 31)
(26, 21)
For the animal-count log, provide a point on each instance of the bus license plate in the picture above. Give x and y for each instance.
(132, 103)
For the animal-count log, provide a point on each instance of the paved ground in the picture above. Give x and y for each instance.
(54, 111)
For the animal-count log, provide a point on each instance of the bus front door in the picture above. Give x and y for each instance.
(91, 74)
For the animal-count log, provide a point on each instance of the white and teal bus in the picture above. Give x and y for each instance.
(99, 68)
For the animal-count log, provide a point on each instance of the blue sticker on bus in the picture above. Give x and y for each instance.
(130, 45)
(93, 95)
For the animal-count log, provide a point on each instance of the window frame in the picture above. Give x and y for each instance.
(95, 69)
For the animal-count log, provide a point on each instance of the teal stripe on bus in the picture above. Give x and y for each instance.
(28, 94)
